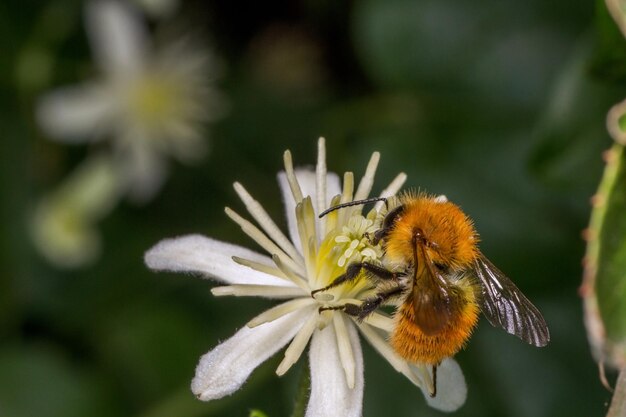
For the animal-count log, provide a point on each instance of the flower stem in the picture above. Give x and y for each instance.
(303, 393)
(618, 403)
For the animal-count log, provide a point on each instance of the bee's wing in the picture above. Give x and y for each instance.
(505, 306)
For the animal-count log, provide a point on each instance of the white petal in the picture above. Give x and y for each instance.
(451, 387)
(267, 291)
(118, 36)
(76, 114)
(145, 170)
(330, 395)
(200, 254)
(223, 370)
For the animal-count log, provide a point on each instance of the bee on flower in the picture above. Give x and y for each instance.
(314, 253)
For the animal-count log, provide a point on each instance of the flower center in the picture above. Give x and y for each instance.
(346, 244)
(154, 99)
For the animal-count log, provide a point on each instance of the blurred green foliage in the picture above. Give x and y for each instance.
(500, 105)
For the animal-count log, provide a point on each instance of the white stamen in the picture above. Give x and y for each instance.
(345, 348)
(391, 189)
(279, 311)
(348, 187)
(265, 221)
(295, 278)
(250, 290)
(306, 229)
(380, 321)
(441, 199)
(330, 220)
(346, 196)
(291, 177)
(257, 266)
(365, 186)
(259, 237)
(320, 178)
(295, 349)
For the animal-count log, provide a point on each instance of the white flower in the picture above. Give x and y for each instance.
(150, 101)
(317, 251)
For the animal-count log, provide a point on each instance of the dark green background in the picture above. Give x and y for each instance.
(498, 104)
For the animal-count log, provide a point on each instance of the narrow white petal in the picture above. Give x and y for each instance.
(451, 387)
(295, 349)
(365, 186)
(320, 176)
(267, 291)
(290, 177)
(280, 310)
(76, 114)
(267, 269)
(392, 189)
(345, 348)
(199, 254)
(145, 170)
(290, 210)
(265, 221)
(223, 370)
(291, 275)
(330, 394)
(262, 240)
(118, 37)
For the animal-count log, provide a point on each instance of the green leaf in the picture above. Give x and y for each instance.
(604, 286)
(609, 61)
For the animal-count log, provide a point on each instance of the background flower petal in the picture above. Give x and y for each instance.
(200, 254)
(118, 36)
(330, 395)
(451, 387)
(75, 114)
(223, 370)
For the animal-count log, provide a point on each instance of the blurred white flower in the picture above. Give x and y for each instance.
(159, 8)
(62, 225)
(150, 102)
(315, 253)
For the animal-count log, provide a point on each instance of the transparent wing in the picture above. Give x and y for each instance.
(505, 306)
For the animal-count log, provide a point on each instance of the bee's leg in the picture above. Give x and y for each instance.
(433, 393)
(388, 223)
(368, 306)
(353, 270)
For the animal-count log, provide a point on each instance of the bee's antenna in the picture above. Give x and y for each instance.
(352, 203)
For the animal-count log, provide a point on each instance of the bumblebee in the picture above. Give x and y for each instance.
(433, 268)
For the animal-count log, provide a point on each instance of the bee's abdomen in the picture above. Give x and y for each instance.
(412, 344)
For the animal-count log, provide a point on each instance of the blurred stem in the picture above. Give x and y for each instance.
(304, 389)
(618, 403)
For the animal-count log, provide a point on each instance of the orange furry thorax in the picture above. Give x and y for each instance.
(452, 239)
